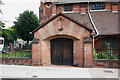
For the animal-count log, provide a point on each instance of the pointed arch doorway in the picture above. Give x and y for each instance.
(62, 51)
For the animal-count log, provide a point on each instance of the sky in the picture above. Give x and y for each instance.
(12, 8)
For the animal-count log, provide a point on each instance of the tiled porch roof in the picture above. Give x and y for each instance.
(66, 16)
(82, 18)
(106, 23)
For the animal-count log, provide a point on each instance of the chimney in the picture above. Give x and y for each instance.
(83, 10)
(114, 8)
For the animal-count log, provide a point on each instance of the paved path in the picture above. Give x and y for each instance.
(15, 71)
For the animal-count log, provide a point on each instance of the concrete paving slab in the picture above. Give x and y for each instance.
(16, 71)
(103, 72)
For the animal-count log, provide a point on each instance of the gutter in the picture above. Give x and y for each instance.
(109, 34)
(91, 20)
(83, 1)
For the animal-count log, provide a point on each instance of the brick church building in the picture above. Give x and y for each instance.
(70, 30)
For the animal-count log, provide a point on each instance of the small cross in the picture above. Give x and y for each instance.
(60, 23)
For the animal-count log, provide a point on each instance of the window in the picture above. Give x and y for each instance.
(68, 8)
(48, 5)
(93, 6)
(1, 41)
(97, 6)
(102, 6)
(110, 42)
(60, 9)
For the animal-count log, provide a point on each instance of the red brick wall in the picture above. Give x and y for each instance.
(88, 55)
(85, 5)
(108, 6)
(41, 11)
(48, 11)
(58, 7)
(54, 8)
(107, 63)
(114, 7)
(16, 61)
(98, 44)
(76, 7)
(119, 5)
(28, 61)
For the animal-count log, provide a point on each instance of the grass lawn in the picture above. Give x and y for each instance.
(16, 54)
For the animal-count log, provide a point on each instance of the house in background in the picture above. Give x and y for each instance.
(69, 31)
(1, 44)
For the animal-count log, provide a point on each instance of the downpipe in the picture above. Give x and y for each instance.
(91, 20)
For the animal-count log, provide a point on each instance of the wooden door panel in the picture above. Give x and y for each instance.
(56, 52)
(67, 56)
(62, 51)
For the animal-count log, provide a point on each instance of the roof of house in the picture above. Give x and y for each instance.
(79, 1)
(106, 23)
(82, 18)
(66, 16)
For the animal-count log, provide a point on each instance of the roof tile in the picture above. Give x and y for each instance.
(106, 23)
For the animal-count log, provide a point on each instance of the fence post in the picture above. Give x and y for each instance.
(8, 55)
(111, 63)
(11, 47)
(15, 54)
(20, 47)
(118, 53)
(26, 46)
(21, 54)
(110, 53)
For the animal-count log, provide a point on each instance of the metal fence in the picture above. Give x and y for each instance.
(16, 52)
(106, 53)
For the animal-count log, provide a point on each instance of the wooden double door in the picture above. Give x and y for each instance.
(62, 51)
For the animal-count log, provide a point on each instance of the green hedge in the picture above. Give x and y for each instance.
(108, 54)
(16, 54)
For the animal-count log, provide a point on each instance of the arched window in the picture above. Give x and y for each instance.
(109, 42)
(48, 5)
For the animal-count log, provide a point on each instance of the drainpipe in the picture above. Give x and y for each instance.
(91, 20)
